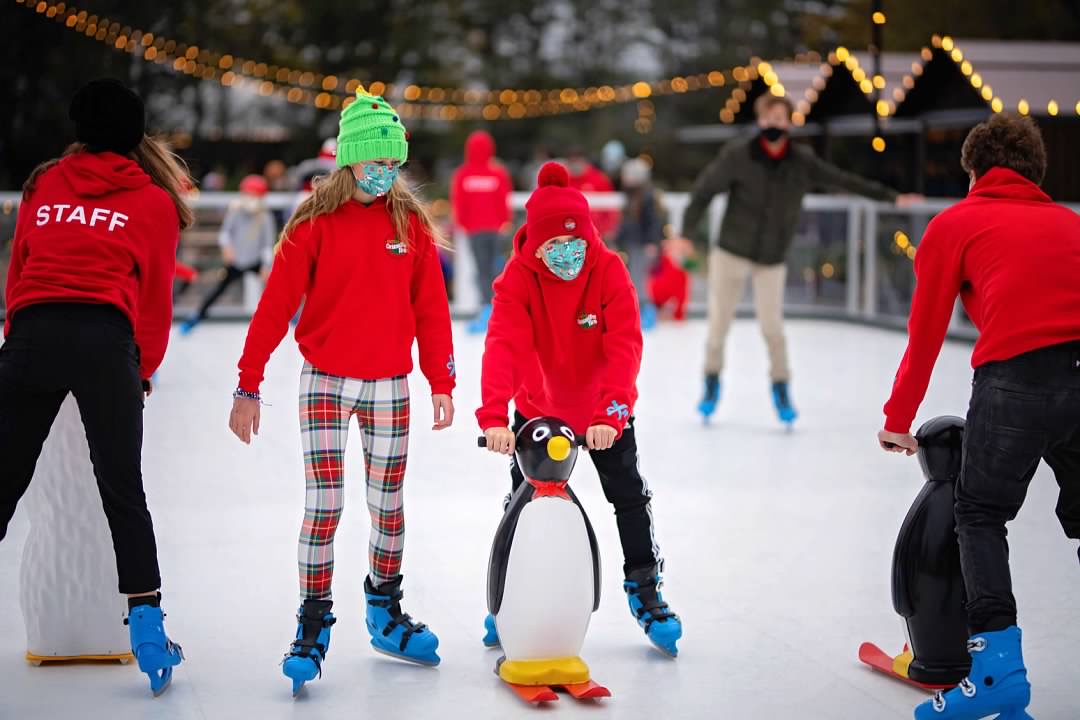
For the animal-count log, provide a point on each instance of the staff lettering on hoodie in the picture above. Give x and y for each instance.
(96, 230)
(77, 213)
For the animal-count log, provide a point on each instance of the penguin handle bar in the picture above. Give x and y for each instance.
(579, 441)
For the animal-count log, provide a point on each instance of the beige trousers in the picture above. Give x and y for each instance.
(727, 281)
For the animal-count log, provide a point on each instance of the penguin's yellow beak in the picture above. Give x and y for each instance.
(558, 448)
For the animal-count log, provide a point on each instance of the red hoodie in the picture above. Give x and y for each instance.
(367, 294)
(593, 180)
(97, 230)
(571, 349)
(480, 189)
(1013, 256)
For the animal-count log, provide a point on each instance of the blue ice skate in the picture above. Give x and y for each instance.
(156, 654)
(708, 403)
(996, 686)
(662, 627)
(478, 325)
(303, 663)
(782, 401)
(393, 632)
(491, 635)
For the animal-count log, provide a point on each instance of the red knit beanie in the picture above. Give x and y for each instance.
(556, 209)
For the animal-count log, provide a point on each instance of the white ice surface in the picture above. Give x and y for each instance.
(778, 550)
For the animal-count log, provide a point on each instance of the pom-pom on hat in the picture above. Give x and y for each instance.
(556, 209)
(370, 129)
(108, 116)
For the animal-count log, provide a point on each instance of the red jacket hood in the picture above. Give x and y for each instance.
(1004, 184)
(96, 174)
(479, 148)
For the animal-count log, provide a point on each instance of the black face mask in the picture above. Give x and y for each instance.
(773, 134)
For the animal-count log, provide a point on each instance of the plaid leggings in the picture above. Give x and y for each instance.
(382, 409)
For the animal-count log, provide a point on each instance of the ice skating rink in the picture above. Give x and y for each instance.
(778, 550)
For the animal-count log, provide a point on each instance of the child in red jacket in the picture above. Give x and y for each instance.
(670, 281)
(565, 340)
(1013, 257)
(362, 253)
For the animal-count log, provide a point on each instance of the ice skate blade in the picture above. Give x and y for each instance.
(164, 681)
(664, 651)
(405, 658)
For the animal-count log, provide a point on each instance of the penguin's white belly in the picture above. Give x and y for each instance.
(548, 592)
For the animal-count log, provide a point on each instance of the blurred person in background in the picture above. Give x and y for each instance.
(640, 232)
(766, 177)
(529, 171)
(89, 306)
(1012, 256)
(480, 202)
(669, 284)
(321, 165)
(587, 178)
(247, 240)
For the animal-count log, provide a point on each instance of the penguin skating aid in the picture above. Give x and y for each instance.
(544, 572)
(927, 585)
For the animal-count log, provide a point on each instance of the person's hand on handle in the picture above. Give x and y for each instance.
(897, 442)
(244, 418)
(600, 437)
(444, 411)
(909, 199)
(500, 440)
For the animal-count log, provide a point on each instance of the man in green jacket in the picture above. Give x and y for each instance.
(766, 177)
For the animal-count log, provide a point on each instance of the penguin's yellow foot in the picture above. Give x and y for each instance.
(554, 671)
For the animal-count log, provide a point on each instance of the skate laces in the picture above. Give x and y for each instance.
(976, 645)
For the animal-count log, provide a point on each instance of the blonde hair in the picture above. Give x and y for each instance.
(166, 170)
(334, 190)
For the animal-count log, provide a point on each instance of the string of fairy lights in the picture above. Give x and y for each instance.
(331, 92)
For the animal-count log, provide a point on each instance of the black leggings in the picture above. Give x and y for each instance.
(89, 351)
(232, 273)
(626, 489)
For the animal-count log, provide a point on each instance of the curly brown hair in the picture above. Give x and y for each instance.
(1007, 141)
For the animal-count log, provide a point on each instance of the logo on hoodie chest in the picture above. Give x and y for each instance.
(397, 247)
(587, 321)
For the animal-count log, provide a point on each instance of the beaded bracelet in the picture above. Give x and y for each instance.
(238, 393)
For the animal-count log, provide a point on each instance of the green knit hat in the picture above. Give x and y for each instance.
(370, 129)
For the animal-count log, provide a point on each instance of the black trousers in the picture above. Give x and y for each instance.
(232, 274)
(89, 351)
(626, 489)
(1022, 411)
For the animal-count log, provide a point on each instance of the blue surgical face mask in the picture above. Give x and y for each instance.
(377, 179)
(565, 259)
